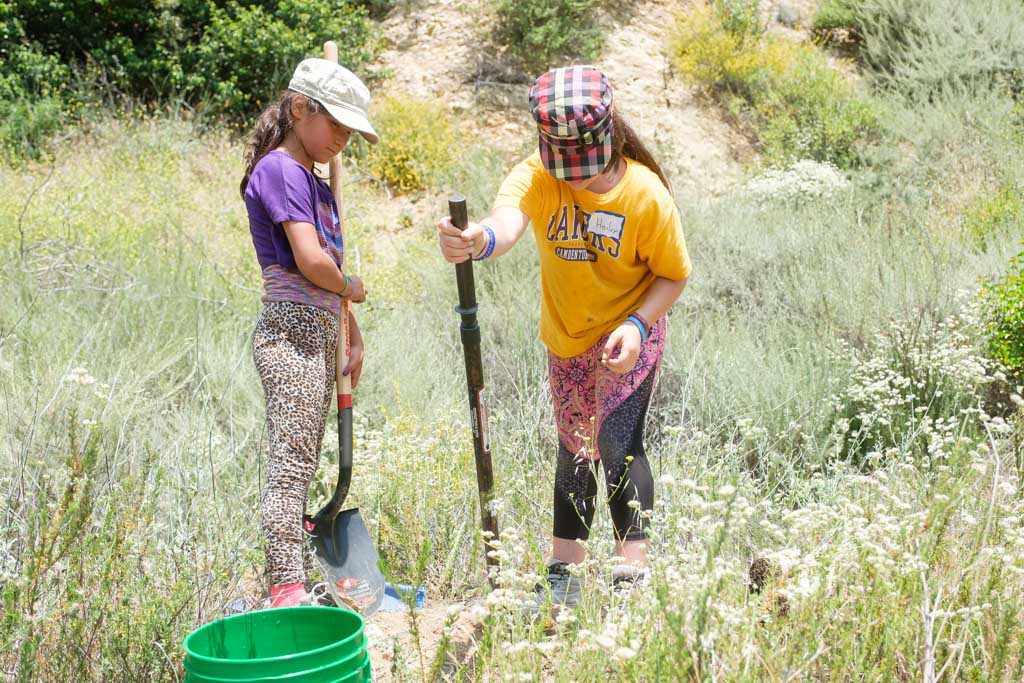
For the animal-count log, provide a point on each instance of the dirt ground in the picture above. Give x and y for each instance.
(395, 648)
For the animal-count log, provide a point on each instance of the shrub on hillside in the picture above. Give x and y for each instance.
(921, 47)
(415, 145)
(542, 34)
(790, 96)
(992, 214)
(800, 182)
(834, 16)
(1003, 305)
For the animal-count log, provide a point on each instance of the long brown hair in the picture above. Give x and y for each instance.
(270, 130)
(627, 144)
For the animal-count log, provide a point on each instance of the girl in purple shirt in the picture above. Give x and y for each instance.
(296, 231)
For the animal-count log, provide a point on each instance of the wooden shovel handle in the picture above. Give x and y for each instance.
(342, 356)
(344, 383)
(344, 347)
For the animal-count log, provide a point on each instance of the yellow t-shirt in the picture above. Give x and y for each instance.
(599, 253)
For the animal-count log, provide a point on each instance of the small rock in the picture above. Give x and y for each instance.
(788, 14)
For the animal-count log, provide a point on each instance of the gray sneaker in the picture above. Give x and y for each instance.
(566, 590)
(628, 580)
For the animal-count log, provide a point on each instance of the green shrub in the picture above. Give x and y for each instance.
(226, 56)
(788, 93)
(922, 47)
(989, 215)
(1003, 305)
(415, 145)
(25, 124)
(32, 84)
(542, 34)
(139, 47)
(811, 111)
(836, 15)
(741, 18)
(248, 53)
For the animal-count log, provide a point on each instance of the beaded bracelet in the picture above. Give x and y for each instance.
(640, 326)
(490, 243)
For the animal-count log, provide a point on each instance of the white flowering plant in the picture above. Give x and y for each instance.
(916, 391)
(797, 183)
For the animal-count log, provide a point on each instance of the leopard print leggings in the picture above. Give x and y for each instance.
(293, 346)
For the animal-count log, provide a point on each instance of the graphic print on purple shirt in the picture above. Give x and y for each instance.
(280, 190)
(330, 238)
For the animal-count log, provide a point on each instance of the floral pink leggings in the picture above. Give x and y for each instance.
(600, 416)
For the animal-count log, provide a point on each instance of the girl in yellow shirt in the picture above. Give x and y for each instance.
(613, 261)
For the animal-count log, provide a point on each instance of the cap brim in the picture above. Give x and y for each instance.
(351, 119)
(576, 164)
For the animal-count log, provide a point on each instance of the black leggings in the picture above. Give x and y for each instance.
(627, 474)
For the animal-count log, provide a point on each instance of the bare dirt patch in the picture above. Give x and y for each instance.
(402, 651)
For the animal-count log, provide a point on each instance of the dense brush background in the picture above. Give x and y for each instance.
(836, 433)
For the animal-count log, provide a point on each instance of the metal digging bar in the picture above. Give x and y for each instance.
(470, 329)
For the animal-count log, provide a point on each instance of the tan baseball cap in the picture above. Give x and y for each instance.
(339, 90)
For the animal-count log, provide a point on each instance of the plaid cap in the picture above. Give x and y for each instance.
(573, 110)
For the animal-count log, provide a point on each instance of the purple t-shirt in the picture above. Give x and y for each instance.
(281, 189)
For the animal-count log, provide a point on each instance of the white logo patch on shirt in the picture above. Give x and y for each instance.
(606, 224)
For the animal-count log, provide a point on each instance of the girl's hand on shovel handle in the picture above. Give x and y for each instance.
(355, 359)
(460, 245)
(356, 292)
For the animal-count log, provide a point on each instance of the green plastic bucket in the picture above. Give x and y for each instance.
(289, 645)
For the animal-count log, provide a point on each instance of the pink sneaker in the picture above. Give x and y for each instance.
(287, 595)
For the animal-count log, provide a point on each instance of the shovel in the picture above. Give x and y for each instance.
(342, 543)
(343, 547)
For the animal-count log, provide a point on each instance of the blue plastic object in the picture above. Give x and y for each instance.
(394, 597)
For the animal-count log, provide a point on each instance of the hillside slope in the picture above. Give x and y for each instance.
(442, 50)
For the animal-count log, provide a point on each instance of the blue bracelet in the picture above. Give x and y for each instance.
(490, 243)
(640, 326)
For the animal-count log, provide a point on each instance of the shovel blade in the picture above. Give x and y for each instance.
(349, 561)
